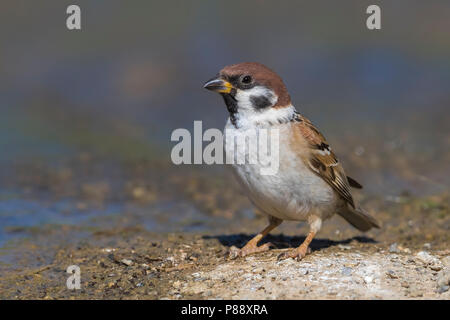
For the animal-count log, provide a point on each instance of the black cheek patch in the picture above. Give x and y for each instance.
(260, 102)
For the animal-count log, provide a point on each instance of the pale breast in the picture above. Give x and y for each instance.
(293, 192)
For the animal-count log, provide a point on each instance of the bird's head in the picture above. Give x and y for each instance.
(250, 89)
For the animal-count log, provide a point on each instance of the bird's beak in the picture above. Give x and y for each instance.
(218, 85)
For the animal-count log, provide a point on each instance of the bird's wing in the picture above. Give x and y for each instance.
(321, 159)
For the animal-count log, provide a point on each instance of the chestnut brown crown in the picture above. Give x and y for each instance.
(249, 74)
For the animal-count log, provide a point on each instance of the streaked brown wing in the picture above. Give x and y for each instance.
(322, 160)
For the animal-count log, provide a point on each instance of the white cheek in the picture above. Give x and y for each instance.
(243, 97)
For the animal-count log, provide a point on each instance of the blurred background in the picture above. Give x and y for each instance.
(86, 116)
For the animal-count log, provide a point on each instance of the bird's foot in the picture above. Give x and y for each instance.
(297, 253)
(247, 250)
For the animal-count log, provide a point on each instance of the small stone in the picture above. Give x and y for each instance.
(427, 246)
(344, 247)
(411, 260)
(443, 278)
(207, 293)
(393, 248)
(176, 284)
(126, 262)
(443, 289)
(426, 258)
(368, 279)
(405, 284)
(346, 271)
(436, 268)
(197, 291)
(391, 274)
(171, 259)
(258, 270)
(415, 292)
(446, 261)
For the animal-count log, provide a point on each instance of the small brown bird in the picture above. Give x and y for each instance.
(310, 184)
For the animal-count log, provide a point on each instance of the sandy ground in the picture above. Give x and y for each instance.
(196, 267)
(353, 273)
(122, 258)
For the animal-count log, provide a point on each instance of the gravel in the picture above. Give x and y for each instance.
(393, 248)
(443, 280)
(427, 259)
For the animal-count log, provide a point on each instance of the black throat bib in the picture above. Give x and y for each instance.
(231, 104)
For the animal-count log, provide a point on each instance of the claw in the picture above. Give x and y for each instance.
(233, 253)
(247, 250)
(298, 254)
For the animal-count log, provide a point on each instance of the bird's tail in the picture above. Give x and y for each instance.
(359, 218)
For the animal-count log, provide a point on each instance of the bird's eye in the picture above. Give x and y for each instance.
(246, 79)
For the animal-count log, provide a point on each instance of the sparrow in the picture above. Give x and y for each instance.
(310, 184)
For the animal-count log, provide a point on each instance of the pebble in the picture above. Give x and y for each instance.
(197, 290)
(207, 293)
(446, 261)
(346, 271)
(393, 248)
(426, 258)
(443, 289)
(391, 274)
(126, 262)
(258, 270)
(443, 280)
(415, 292)
(171, 259)
(436, 268)
(368, 279)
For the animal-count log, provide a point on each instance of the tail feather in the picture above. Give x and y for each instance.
(359, 218)
(353, 183)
